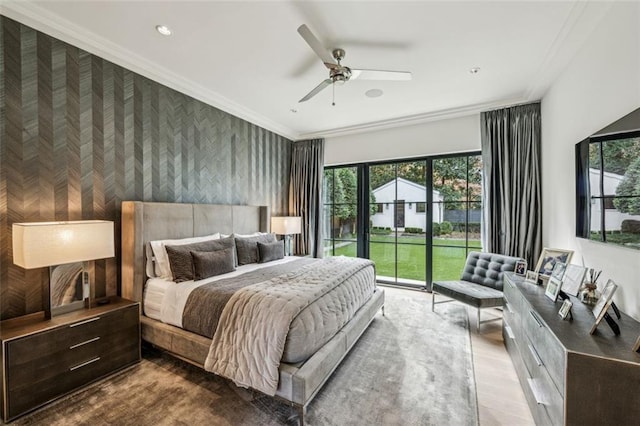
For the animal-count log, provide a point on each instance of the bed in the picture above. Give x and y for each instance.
(142, 222)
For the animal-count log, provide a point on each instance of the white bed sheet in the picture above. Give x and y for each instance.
(165, 300)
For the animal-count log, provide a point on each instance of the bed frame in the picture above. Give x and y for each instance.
(145, 221)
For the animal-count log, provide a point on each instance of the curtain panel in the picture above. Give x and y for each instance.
(512, 196)
(305, 194)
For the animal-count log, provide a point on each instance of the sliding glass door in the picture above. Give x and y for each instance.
(417, 219)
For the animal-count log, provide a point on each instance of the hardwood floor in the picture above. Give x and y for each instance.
(500, 397)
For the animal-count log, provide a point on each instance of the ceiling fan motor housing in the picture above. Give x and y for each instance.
(340, 74)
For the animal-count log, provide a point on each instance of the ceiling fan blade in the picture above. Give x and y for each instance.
(317, 90)
(380, 75)
(317, 47)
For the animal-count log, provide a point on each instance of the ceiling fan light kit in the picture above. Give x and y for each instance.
(338, 73)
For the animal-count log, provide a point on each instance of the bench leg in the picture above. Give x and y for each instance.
(478, 320)
(433, 300)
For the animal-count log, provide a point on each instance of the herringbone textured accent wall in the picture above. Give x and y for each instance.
(80, 134)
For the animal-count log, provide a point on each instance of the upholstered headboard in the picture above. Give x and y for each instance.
(143, 222)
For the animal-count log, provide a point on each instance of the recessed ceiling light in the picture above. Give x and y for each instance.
(373, 93)
(474, 70)
(163, 29)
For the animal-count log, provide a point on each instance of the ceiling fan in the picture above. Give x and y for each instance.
(339, 73)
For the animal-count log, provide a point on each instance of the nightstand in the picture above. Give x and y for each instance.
(45, 359)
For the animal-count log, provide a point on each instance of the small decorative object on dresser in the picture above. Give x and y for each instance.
(565, 309)
(521, 268)
(532, 277)
(573, 278)
(553, 288)
(636, 347)
(44, 359)
(549, 258)
(600, 309)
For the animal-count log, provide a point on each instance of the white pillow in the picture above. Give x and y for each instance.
(162, 267)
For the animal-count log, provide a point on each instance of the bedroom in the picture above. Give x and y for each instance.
(592, 80)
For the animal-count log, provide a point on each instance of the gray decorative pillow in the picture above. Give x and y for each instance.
(180, 256)
(247, 248)
(269, 252)
(211, 263)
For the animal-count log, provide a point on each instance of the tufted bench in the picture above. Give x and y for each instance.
(481, 282)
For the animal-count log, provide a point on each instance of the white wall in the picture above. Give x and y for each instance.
(600, 85)
(438, 137)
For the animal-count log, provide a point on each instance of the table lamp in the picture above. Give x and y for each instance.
(287, 226)
(53, 244)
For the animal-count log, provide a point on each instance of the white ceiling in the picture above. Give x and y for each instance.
(247, 58)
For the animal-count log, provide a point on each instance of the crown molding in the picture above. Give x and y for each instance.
(51, 24)
(411, 120)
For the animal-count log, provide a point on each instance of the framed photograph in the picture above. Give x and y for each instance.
(603, 304)
(531, 277)
(548, 259)
(565, 309)
(573, 278)
(553, 288)
(558, 271)
(521, 268)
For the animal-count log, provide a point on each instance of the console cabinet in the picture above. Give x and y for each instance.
(45, 359)
(569, 376)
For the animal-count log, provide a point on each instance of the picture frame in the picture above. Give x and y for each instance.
(573, 279)
(600, 309)
(548, 259)
(520, 268)
(553, 288)
(565, 309)
(531, 277)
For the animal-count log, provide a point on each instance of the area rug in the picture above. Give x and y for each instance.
(411, 367)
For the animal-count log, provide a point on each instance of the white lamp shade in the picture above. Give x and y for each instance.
(286, 225)
(40, 244)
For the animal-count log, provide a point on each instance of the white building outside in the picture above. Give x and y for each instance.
(411, 205)
(612, 217)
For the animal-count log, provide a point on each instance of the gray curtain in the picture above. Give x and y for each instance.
(305, 194)
(512, 222)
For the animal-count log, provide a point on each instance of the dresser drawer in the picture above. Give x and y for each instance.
(548, 349)
(42, 366)
(544, 391)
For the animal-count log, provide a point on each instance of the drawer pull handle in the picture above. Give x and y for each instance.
(535, 355)
(84, 322)
(536, 391)
(535, 317)
(84, 343)
(91, 361)
(509, 308)
(509, 332)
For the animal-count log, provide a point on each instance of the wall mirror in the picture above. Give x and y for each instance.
(608, 184)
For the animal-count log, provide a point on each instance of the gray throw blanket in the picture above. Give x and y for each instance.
(249, 341)
(206, 303)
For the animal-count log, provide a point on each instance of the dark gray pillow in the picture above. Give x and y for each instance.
(180, 256)
(247, 247)
(269, 252)
(211, 263)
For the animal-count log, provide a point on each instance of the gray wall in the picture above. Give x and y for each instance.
(80, 134)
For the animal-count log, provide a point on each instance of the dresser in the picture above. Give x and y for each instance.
(569, 376)
(45, 359)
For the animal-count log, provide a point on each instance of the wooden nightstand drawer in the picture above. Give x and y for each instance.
(52, 358)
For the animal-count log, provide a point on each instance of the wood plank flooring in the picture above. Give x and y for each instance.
(500, 397)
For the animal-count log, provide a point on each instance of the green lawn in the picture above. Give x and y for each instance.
(447, 264)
